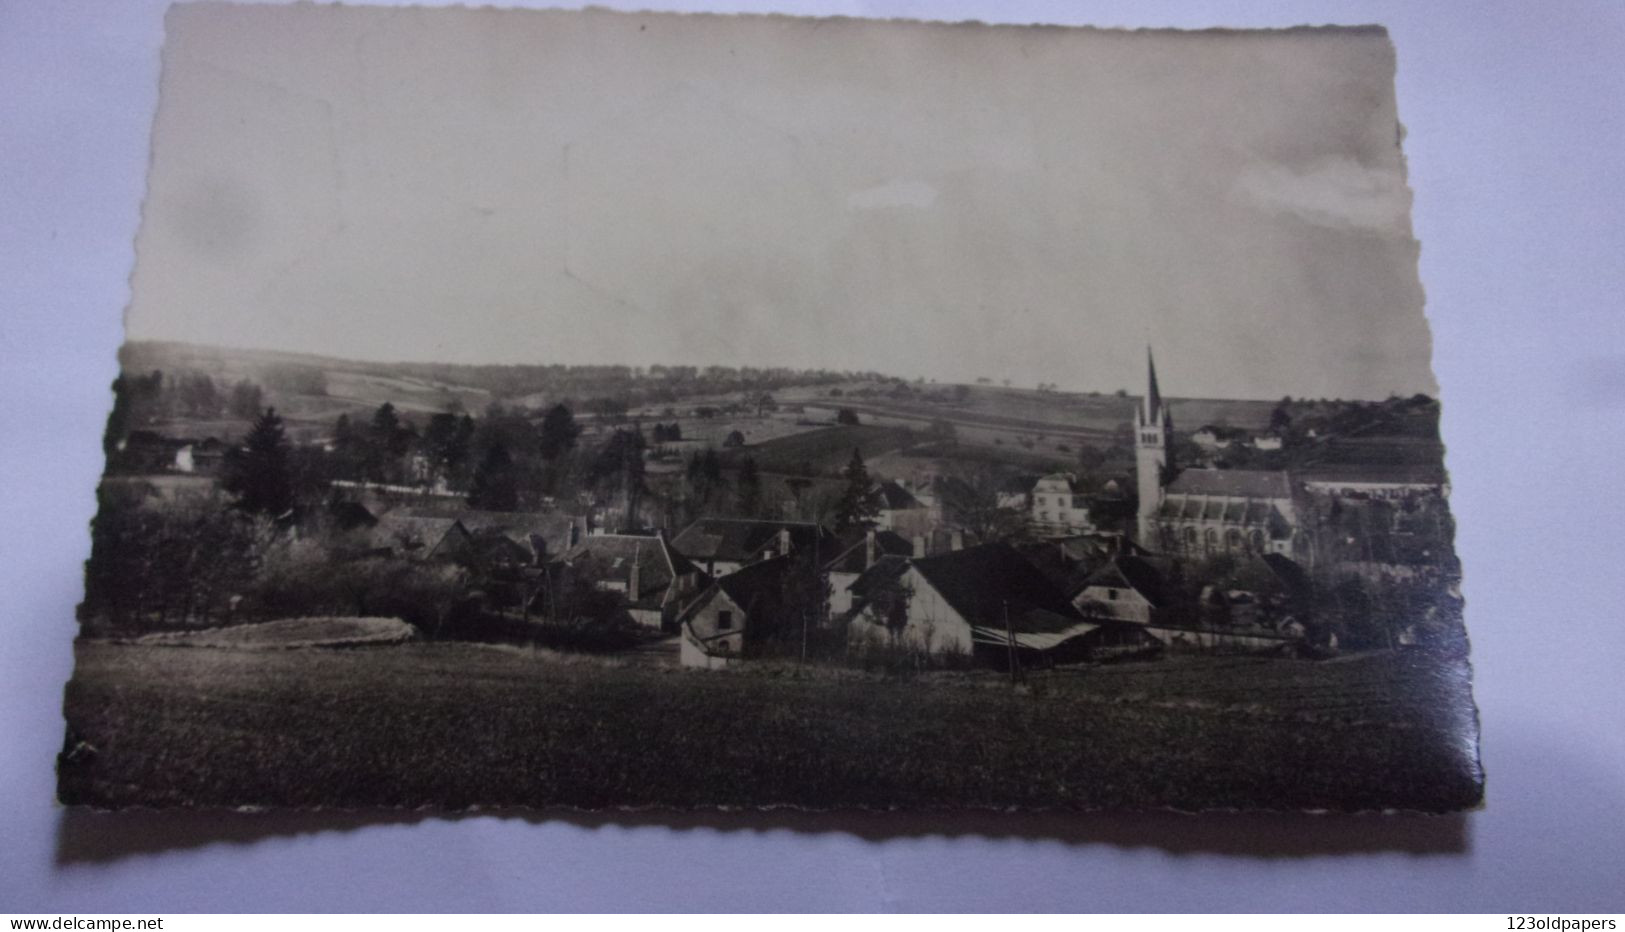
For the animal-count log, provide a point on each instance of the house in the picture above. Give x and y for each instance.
(859, 555)
(1125, 589)
(718, 626)
(656, 580)
(899, 510)
(721, 546)
(1060, 507)
(1135, 602)
(960, 602)
(542, 534)
(420, 538)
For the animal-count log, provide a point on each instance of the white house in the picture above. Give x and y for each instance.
(1059, 507)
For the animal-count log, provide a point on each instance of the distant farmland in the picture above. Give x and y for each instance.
(827, 450)
(454, 725)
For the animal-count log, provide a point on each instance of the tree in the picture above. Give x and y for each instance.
(619, 465)
(558, 433)
(448, 442)
(748, 488)
(258, 474)
(734, 439)
(847, 416)
(860, 500)
(495, 487)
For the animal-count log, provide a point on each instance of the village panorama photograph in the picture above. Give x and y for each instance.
(586, 409)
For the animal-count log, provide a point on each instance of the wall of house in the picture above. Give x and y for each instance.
(932, 627)
(1116, 603)
(705, 642)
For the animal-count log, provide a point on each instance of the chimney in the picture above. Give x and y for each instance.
(956, 540)
(919, 545)
(784, 541)
(869, 549)
(632, 577)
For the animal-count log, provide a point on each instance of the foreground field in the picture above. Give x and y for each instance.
(459, 725)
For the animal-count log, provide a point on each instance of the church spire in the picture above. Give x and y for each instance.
(1153, 397)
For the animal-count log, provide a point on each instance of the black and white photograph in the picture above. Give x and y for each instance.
(601, 410)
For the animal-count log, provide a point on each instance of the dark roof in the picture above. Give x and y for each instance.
(741, 540)
(1153, 395)
(351, 515)
(552, 528)
(1238, 483)
(854, 557)
(414, 534)
(894, 496)
(758, 585)
(1134, 573)
(887, 569)
(657, 564)
(979, 582)
(1396, 473)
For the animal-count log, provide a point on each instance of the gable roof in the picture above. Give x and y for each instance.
(1237, 483)
(855, 556)
(758, 585)
(894, 496)
(1127, 572)
(980, 582)
(657, 565)
(414, 534)
(743, 540)
(552, 528)
(886, 570)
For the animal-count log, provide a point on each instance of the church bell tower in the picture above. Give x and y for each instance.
(1154, 430)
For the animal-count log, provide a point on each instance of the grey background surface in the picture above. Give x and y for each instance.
(1515, 129)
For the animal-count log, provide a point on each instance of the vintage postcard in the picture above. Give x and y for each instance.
(594, 409)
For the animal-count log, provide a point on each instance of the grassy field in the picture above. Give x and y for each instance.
(291, 633)
(828, 449)
(457, 725)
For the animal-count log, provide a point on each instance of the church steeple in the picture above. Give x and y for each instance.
(1152, 405)
(1153, 444)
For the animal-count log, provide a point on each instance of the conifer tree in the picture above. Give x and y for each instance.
(259, 473)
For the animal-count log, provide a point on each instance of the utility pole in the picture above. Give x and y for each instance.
(1010, 644)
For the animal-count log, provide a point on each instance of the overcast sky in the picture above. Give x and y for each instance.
(1031, 204)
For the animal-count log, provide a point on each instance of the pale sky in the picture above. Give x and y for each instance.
(1032, 204)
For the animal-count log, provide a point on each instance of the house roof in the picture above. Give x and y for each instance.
(1127, 572)
(657, 564)
(1239, 483)
(854, 558)
(980, 582)
(413, 533)
(894, 496)
(757, 585)
(887, 569)
(742, 540)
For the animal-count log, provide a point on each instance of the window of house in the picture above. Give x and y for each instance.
(1111, 595)
(725, 621)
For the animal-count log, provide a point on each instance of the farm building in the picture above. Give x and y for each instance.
(420, 538)
(541, 535)
(657, 581)
(958, 602)
(1136, 606)
(717, 626)
(722, 546)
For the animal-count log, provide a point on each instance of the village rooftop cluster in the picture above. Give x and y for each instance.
(713, 518)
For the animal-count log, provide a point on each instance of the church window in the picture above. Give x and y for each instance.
(1211, 538)
(1232, 539)
(1258, 541)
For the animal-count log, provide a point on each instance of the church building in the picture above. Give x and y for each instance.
(1206, 512)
